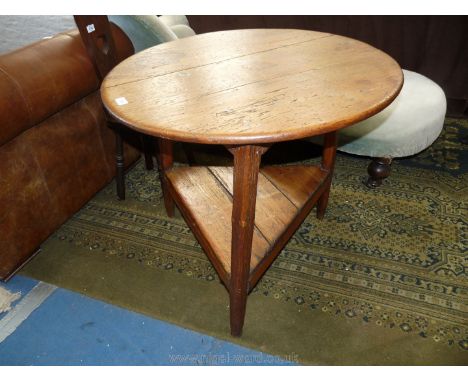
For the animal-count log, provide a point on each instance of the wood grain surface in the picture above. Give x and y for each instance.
(251, 86)
(207, 193)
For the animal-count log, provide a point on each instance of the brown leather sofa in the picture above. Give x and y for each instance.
(56, 150)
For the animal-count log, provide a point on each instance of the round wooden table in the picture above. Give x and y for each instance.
(247, 89)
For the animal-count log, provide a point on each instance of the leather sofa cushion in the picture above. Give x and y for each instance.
(56, 150)
(41, 79)
(49, 172)
(27, 211)
(66, 147)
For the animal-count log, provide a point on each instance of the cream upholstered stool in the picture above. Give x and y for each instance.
(147, 31)
(411, 123)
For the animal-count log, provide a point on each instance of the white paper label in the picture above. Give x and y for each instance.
(121, 101)
(90, 28)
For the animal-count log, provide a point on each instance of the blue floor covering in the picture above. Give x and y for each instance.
(71, 329)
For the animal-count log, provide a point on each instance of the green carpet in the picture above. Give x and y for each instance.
(382, 280)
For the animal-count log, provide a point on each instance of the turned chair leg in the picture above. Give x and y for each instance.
(148, 148)
(378, 170)
(120, 168)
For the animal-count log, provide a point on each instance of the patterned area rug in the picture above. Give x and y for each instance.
(393, 259)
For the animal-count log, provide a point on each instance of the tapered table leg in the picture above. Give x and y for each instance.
(328, 163)
(246, 168)
(165, 159)
(147, 146)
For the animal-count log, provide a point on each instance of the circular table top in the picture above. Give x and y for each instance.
(251, 86)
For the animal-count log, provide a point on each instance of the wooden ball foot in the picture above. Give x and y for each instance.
(378, 170)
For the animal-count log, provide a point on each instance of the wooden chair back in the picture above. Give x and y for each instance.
(97, 37)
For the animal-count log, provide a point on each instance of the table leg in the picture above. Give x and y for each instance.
(165, 160)
(246, 167)
(328, 163)
(147, 147)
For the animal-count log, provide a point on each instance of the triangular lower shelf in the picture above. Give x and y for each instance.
(206, 195)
